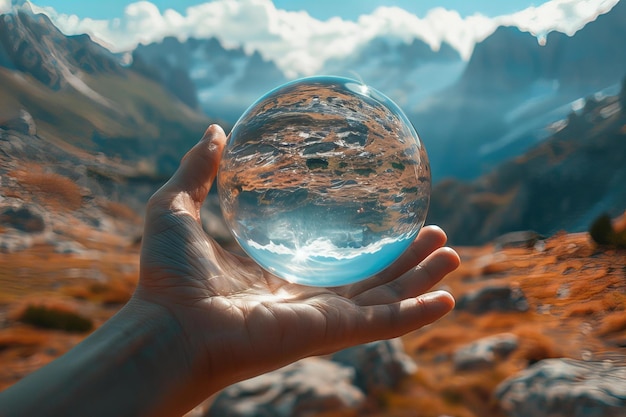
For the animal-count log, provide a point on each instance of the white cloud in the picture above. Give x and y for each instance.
(5, 6)
(300, 44)
(566, 16)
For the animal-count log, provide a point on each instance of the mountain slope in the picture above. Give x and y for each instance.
(81, 98)
(512, 88)
(406, 72)
(222, 82)
(562, 184)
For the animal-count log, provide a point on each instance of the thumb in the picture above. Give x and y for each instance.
(190, 184)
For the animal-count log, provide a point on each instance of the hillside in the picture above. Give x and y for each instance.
(512, 87)
(81, 99)
(564, 183)
(574, 299)
(84, 141)
(204, 74)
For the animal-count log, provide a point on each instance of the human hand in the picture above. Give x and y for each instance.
(239, 320)
(202, 318)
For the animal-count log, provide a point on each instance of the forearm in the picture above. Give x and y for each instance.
(134, 365)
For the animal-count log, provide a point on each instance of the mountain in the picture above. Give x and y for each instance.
(203, 73)
(471, 115)
(81, 99)
(510, 60)
(513, 87)
(406, 72)
(564, 183)
(224, 82)
(32, 44)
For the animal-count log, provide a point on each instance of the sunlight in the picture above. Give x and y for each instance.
(301, 255)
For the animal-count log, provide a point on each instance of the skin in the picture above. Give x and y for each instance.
(202, 318)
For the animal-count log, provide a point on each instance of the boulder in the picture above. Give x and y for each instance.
(484, 352)
(378, 366)
(21, 122)
(493, 298)
(565, 388)
(308, 387)
(68, 247)
(520, 239)
(15, 242)
(25, 218)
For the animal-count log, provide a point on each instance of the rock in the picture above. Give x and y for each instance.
(494, 298)
(308, 387)
(68, 247)
(520, 239)
(15, 242)
(22, 122)
(565, 388)
(25, 218)
(378, 365)
(484, 352)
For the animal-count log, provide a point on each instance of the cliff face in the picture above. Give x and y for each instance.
(510, 60)
(512, 88)
(78, 96)
(562, 184)
(204, 74)
(32, 44)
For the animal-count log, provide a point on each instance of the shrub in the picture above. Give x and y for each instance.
(601, 230)
(603, 233)
(55, 318)
(53, 188)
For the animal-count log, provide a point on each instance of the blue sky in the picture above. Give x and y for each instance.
(320, 9)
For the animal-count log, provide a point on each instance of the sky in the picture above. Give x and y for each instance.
(319, 9)
(299, 35)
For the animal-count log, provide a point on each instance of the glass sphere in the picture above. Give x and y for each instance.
(324, 181)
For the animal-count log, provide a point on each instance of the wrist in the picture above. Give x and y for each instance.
(135, 364)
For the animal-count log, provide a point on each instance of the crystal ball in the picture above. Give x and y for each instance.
(324, 181)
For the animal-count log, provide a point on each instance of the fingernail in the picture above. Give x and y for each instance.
(212, 131)
(437, 296)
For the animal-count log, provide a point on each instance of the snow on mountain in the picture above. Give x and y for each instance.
(224, 81)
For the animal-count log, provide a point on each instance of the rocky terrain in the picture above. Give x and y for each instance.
(78, 97)
(541, 314)
(523, 303)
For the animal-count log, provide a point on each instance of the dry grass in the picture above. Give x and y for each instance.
(606, 301)
(119, 211)
(21, 336)
(501, 322)
(613, 323)
(53, 190)
(535, 345)
(114, 292)
(582, 289)
(584, 309)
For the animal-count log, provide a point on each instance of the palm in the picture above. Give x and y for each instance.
(264, 321)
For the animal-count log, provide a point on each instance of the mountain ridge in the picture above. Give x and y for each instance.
(564, 183)
(80, 97)
(508, 77)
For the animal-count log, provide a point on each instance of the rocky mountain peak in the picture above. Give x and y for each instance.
(510, 60)
(30, 43)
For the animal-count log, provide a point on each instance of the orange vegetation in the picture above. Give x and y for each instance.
(576, 293)
(58, 191)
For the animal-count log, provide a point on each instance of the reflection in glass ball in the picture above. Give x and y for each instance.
(324, 181)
